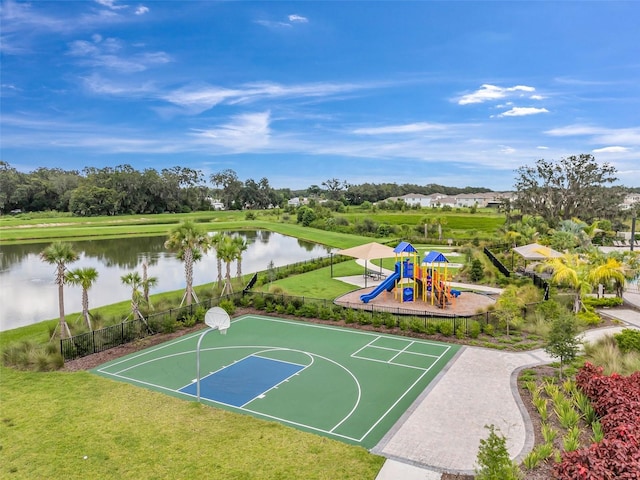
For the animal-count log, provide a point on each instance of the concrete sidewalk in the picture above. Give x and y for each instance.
(443, 428)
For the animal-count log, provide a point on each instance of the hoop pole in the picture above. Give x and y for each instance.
(198, 362)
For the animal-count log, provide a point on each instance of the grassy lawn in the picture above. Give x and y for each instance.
(318, 283)
(79, 426)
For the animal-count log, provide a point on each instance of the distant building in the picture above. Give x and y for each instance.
(297, 201)
(630, 200)
(462, 200)
(215, 204)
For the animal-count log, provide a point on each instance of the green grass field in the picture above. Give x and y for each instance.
(349, 385)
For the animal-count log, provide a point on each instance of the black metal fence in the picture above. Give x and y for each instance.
(103, 339)
(497, 263)
(377, 315)
(122, 333)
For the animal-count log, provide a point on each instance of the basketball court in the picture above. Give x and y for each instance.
(347, 384)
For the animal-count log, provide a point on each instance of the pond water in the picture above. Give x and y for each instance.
(28, 293)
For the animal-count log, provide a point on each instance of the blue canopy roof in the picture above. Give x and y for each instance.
(405, 247)
(434, 257)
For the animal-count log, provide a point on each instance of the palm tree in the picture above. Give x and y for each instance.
(214, 241)
(612, 270)
(440, 222)
(84, 277)
(134, 280)
(573, 270)
(59, 254)
(147, 282)
(427, 222)
(189, 242)
(227, 252)
(241, 246)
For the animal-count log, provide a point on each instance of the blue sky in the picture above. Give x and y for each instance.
(456, 93)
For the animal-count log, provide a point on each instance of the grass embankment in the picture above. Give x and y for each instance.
(78, 426)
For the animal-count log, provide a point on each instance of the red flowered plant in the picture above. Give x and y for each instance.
(616, 399)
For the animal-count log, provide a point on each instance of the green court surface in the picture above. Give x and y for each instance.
(347, 384)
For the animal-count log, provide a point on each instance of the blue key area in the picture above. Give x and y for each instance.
(243, 381)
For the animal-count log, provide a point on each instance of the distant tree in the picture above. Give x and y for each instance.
(89, 200)
(335, 188)
(563, 342)
(229, 187)
(60, 254)
(84, 277)
(575, 186)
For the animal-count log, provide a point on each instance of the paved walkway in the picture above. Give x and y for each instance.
(443, 428)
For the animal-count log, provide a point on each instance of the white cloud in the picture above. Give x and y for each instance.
(277, 24)
(523, 111)
(541, 147)
(105, 53)
(392, 129)
(141, 10)
(492, 92)
(599, 135)
(272, 24)
(536, 97)
(613, 149)
(245, 133)
(111, 4)
(203, 97)
(298, 19)
(507, 149)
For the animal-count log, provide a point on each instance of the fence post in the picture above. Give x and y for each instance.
(93, 340)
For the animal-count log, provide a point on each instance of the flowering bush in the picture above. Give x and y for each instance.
(616, 401)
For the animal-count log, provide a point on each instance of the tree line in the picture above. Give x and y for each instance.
(124, 190)
(575, 186)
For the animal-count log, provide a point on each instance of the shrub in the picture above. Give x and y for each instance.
(589, 317)
(488, 329)
(324, 313)
(432, 328)
(308, 310)
(228, 306)
(493, 459)
(445, 328)
(460, 334)
(475, 329)
(628, 340)
(603, 302)
(259, 302)
(417, 326)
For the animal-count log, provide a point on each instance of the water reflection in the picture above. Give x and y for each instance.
(28, 293)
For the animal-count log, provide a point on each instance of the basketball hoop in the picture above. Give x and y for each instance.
(216, 318)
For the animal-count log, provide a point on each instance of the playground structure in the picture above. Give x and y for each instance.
(411, 280)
